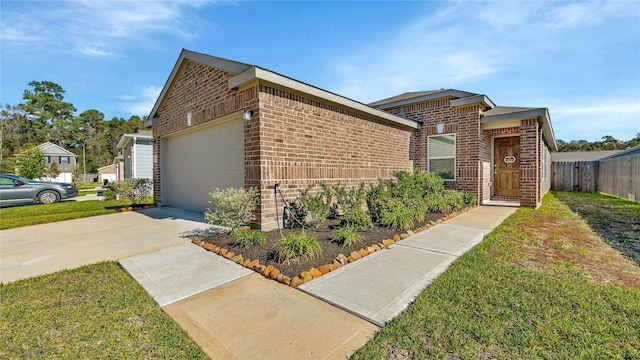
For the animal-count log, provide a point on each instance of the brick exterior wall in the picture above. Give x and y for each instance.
(303, 140)
(530, 138)
(464, 121)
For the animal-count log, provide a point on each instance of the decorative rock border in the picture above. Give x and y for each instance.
(131, 208)
(271, 272)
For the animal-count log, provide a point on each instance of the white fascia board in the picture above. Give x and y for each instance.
(481, 99)
(262, 74)
(125, 139)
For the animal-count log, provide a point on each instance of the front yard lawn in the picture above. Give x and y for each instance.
(18, 216)
(541, 285)
(94, 312)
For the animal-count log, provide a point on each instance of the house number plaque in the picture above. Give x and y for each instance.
(509, 159)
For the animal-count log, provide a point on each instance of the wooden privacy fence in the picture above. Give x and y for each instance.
(617, 176)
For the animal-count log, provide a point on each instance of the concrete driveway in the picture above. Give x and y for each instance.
(40, 249)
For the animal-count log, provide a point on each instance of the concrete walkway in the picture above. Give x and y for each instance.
(236, 314)
(40, 249)
(381, 285)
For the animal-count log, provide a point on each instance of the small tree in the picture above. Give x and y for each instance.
(133, 190)
(52, 171)
(233, 207)
(31, 164)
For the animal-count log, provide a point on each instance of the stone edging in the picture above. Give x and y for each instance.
(271, 272)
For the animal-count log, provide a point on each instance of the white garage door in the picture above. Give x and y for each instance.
(201, 159)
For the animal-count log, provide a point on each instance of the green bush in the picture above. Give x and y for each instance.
(357, 219)
(233, 207)
(445, 202)
(346, 236)
(417, 184)
(401, 218)
(316, 204)
(134, 190)
(247, 238)
(469, 198)
(295, 245)
(380, 199)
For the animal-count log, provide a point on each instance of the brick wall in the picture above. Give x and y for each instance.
(464, 121)
(303, 140)
(530, 137)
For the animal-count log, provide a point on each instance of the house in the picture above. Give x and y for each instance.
(107, 173)
(135, 152)
(221, 123)
(64, 159)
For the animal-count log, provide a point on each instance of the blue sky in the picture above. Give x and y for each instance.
(579, 59)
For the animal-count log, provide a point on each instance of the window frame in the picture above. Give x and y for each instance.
(68, 158)
(429, 157)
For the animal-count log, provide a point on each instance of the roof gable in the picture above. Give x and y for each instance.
(417, 96)
(216, 62)
(48, 148)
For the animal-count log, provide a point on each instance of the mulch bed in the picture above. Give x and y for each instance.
(266, 254)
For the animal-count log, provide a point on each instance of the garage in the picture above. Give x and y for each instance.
(201, 158)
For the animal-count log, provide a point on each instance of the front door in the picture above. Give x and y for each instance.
(506, 168)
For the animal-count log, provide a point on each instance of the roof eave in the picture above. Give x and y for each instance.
(456, 94)
(540, 113)
(481, 99)
(255, 72)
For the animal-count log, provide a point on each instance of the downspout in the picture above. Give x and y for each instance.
(133, 159)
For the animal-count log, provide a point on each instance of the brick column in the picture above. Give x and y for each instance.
(529, 163)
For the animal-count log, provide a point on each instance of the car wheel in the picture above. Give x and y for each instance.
(48, 197)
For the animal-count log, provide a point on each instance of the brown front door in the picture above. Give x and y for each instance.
(506, 161)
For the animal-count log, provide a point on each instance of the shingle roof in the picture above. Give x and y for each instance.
(419, 96)
(502, 110)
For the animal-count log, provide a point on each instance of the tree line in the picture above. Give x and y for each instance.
(608, 143)
(45, 116)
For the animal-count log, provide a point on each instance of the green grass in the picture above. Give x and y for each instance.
(87, 192)
(17, 216)
(615, 219)
(487, 305)
(94, 312)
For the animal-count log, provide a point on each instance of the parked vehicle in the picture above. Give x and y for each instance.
(18, 190)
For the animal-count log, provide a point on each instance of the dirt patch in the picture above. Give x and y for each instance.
(558, 241)
(266, 253)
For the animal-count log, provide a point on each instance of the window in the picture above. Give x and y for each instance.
(47, 159)
(64, 160)
(441, 155)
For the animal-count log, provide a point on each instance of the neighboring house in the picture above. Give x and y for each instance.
(66, 161)
(582, 155)
(107, 173)
(135, 152)
(221, 123)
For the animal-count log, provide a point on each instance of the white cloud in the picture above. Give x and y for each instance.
(142, 103)
(94, 28)
(591, 120)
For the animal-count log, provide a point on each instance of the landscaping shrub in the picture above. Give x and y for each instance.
(445, 202)
(316, 205)
(247, 238)
(469, 198)
(134, 190)
(346, 236)
(417, 184)
(233, 207)
(350, 203)
(380, 199)
(294, 245)
(400, 218)
(357, 219)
